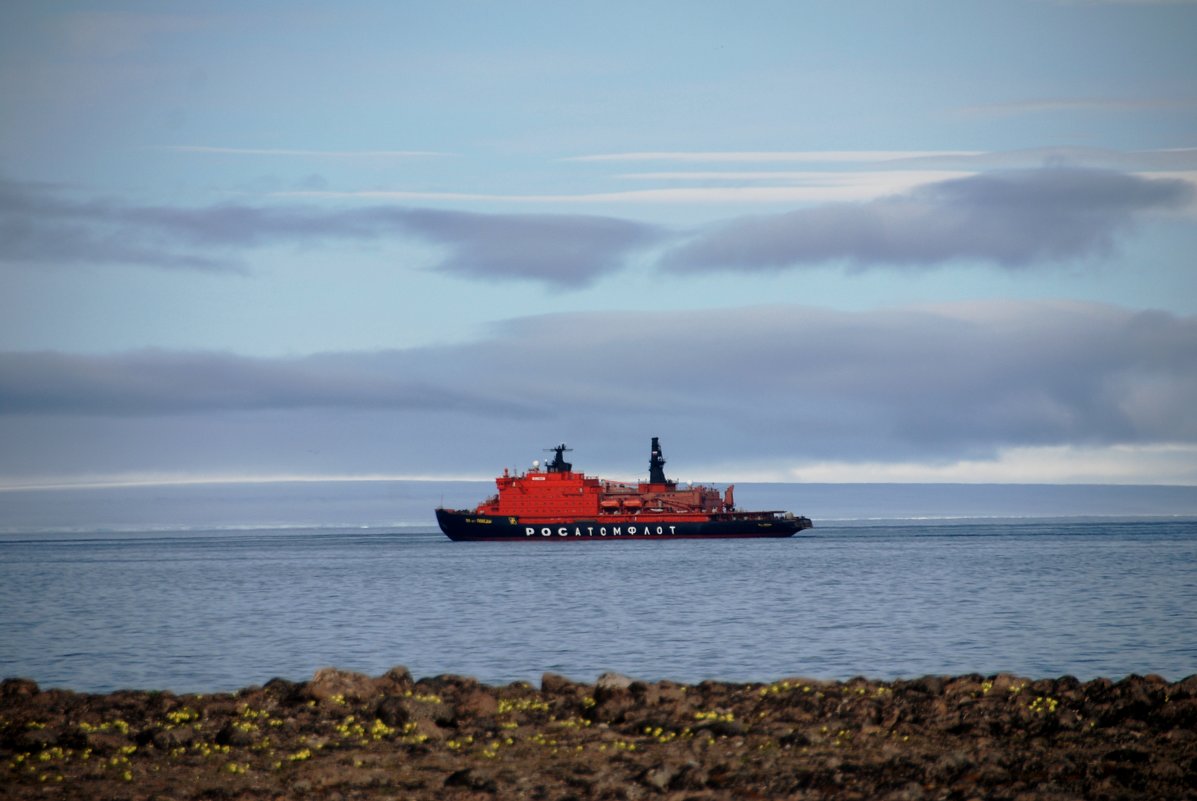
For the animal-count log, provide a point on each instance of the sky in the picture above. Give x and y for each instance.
(798, 241)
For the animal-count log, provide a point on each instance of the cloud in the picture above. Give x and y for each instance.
(1116, 105)
(155, 382)
(300, 153)
(773, 156)
(1012, 218)
(878, 160)
(1162, 159)
(760, 387)
(557, 249)
(1048, 464)
(39, 226)
(1126, 2)
(112, 34)
(830, 186)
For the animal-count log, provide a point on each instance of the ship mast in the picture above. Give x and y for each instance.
(559, 465)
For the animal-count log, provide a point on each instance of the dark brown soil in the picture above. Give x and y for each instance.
(347, 736)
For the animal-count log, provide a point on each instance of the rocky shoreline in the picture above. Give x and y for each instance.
(348, 736)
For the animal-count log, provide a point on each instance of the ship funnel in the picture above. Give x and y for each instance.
(656, 464)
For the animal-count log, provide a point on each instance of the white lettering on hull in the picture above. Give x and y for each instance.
(616, 531)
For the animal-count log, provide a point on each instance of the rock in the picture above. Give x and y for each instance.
(395, 710)
(1185, 688)
(660, 777)
(473, 779)
(429, 729)
(554, 684)
(794, 738)
(284, 692)
(18, 688)
(929, 738)
(611, 682)
(949, 767)
(103, 742)
(911, 792)
(720, 728)
(233, 734)
(1133, 755)
(35, 740)
(928, 685)
(1178, 714)
(169, 739)
(395, 681)
(1168, 771)
(669, 692)
(477, 703)
(688, 775)
(331, 684)
(993, 775)
(1004, 683)
(613, 698)
(445, 684)
(400, 710)
(612, 709)
(1066, 684)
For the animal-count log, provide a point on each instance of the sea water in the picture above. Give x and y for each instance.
(104, 589)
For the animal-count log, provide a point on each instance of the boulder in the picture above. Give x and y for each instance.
(477, 704)
(18, 688)
(397, 681)
(554, 684)
(612, 681)
(331, 684)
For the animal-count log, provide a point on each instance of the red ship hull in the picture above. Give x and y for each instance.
(558, 504)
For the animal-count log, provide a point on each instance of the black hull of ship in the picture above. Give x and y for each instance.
(463, 526)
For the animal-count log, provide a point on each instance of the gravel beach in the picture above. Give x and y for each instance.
(345, 736)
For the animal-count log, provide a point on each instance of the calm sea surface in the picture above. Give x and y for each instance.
(205, 610)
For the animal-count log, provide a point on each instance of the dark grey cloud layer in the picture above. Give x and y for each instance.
(1011, 218)
(156, 382)
(38, 226)
(778, 382)
(41, 227)
(560, 250)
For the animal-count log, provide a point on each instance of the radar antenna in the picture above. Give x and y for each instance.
(559, 465)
